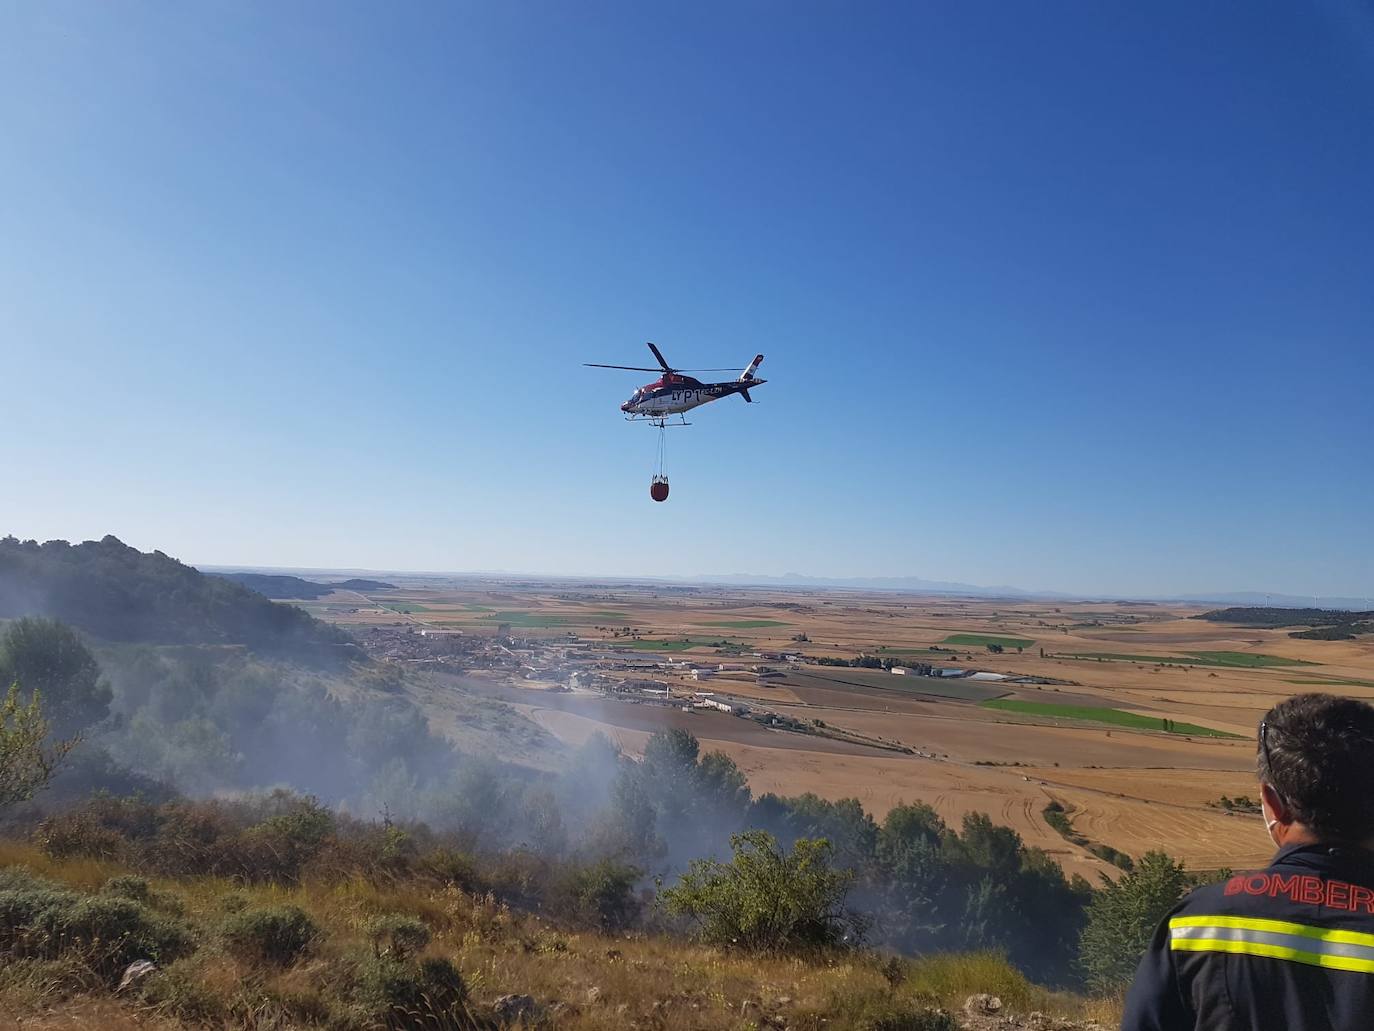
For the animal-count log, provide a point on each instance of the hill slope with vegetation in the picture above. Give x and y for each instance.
(356, 870)
(118, 593)
(272, 912)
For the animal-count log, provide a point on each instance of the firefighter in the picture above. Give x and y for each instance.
(1290, 946)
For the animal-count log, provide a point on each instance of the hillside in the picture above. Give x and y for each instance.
(118, 593)
(296, 919)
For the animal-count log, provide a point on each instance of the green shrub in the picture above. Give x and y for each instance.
(1123, 916)
(402, 994)
(602, 893)
(19, 877)
(396, 936)
(271, 934)
(767, 899)
(21, 909)
(104, 931)
(179, 993)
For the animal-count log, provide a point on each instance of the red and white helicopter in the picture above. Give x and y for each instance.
(676, 394)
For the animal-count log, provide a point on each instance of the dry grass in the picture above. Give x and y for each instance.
(591, 980)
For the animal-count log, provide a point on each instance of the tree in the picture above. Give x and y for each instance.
(914, 876)
(48, 657)
(769, 900)
(1123, 916)
(27, 763)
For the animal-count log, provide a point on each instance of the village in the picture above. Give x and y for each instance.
(625, 671)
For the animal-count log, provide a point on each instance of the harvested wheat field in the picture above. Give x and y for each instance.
(1137, 718)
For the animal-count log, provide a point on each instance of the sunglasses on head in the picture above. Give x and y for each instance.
(1264, 750)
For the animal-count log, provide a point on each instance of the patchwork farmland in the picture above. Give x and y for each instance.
(1134, 718)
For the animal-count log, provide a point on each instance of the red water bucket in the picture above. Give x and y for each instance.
(658, 488)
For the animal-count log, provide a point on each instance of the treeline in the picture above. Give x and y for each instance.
(121, 594)
(280, 586)
(1324, 624)
(872, 661)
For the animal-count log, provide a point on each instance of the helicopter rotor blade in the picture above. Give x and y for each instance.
(631, 368)
(659, 355)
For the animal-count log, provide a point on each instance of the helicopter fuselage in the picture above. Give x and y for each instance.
(675, 394)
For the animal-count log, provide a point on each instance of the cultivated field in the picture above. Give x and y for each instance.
(1143, 720)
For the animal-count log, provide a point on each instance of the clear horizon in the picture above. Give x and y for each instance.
(1070, 299)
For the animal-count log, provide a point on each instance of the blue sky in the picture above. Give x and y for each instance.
(1075, 296)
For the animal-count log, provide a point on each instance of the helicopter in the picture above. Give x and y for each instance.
(674, 393)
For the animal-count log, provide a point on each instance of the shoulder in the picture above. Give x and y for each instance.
(1208, 897)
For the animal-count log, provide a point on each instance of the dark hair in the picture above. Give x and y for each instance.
(1317, 752)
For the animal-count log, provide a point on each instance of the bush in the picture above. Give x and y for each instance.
(273, 934)
(180, 993)
(401, 994)
(452, 867)
(128, 887)
(396, 936)
(766, 899)
(1123, 916)
(602, 893)
(105, 931)
(78, 833)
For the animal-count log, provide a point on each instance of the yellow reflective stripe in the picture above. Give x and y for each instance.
(1247, 923)
(1316, 959)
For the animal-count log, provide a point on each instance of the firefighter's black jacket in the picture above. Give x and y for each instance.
(1289, 947)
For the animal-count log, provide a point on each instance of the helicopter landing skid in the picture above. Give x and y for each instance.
(661, 423)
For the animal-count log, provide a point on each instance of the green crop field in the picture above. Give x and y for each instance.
(1333, 682)
(742, 624)
(478, 608)
(405, 607)
(527, 619)
(545, 620)
(1251, 660)
(1114, 717)
(673, 646)
(845, 679)
(983, 640)
(1246, 660)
